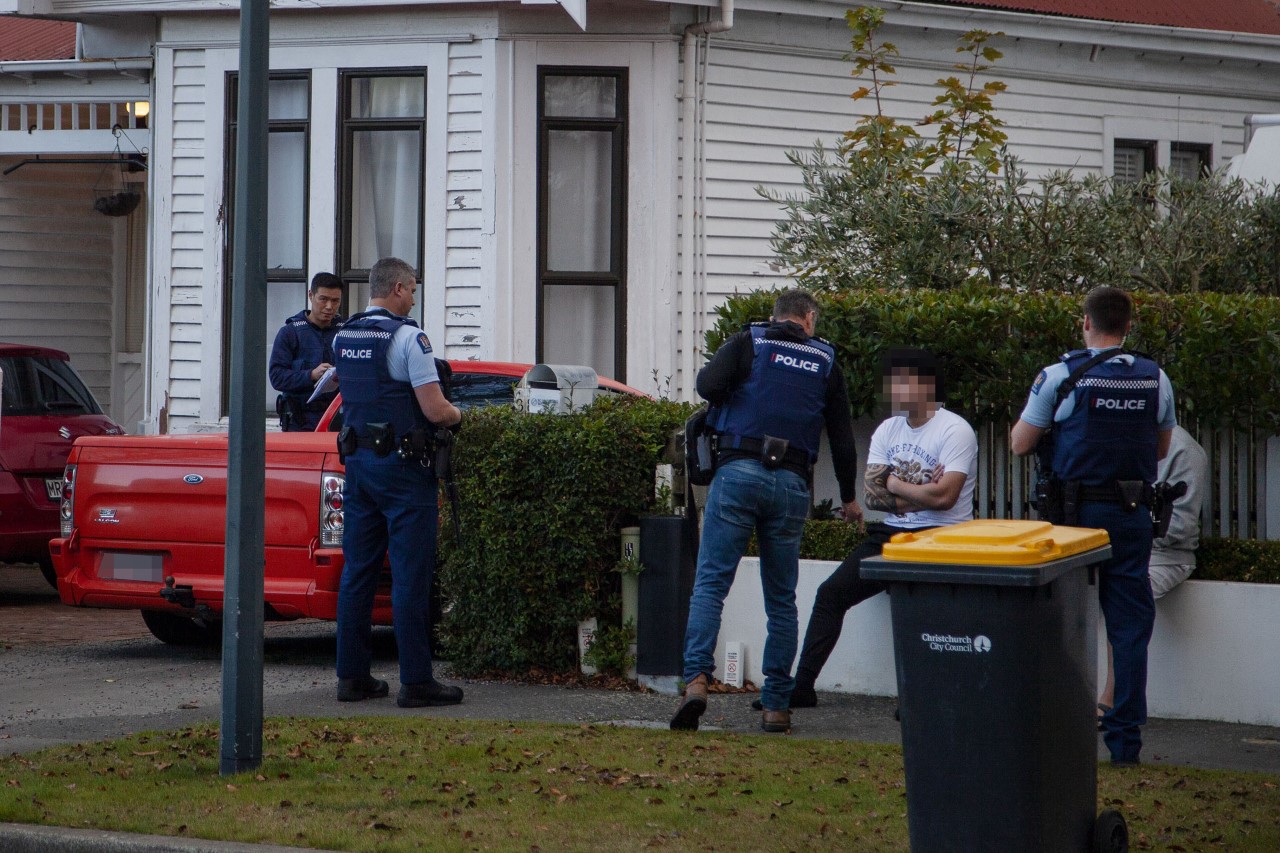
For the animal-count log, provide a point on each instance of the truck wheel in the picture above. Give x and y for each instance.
(1110, 834)
(46, 569)
(176, 630)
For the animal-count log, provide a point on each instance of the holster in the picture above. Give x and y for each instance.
(284, 413)
(1163, 496)
(443, 456)
(348, 442)
(414, 447)
(381, 439)
(1049, 498)
(773, 452)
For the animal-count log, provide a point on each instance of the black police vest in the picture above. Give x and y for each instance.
(784, 395)
(369, 394)
(1112, 431)
(314, 346)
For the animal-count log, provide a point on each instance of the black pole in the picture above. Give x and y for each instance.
(241, 736)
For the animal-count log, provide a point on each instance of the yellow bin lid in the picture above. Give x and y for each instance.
(994, 542)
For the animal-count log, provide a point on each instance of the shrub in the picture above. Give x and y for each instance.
(993, 343)
(543, 499)
(1245, 560)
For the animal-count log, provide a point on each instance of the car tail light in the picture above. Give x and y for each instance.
(66, 512)
(331, 487)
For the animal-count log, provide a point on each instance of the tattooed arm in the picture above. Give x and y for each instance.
(878, 496)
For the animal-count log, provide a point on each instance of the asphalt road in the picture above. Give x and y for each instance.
(74, 674)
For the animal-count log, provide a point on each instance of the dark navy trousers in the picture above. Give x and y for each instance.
(1129, 611)
(390, 509)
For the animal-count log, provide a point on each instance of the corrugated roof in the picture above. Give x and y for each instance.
(23, 39)
(1239, 16)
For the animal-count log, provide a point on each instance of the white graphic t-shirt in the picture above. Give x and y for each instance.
(944, 443)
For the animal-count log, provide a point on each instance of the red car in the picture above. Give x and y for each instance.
(45, 408)
(143, 519)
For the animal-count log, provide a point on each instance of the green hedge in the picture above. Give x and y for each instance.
(1244, 560)
(543, 499)
(1221, 351)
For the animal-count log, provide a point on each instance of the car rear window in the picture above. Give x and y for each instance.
(37, 385)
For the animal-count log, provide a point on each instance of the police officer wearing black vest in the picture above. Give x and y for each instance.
(772, 386)
(1109, 415)
(303, 352)
(393, 404)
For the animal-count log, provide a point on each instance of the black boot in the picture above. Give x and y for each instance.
(355, 689)
(428, 693)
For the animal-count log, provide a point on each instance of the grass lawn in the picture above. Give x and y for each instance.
(406, 784)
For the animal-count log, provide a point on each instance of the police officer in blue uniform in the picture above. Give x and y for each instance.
(303, 352)
(773, 387)
(393, 404)
(1108, 432)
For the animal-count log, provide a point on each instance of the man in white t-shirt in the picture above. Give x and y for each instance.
(921, 470)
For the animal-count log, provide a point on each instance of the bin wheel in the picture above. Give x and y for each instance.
(1110, 833)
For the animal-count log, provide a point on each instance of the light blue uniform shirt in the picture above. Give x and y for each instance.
(409, 355)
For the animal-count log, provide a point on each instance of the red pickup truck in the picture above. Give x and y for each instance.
(137, 510)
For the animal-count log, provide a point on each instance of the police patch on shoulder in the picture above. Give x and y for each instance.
(1035, 389)
(424, 344)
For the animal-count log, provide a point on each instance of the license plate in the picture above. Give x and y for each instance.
(131, 566)
(53, 488)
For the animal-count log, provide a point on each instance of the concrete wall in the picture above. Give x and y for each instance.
(1211, 657)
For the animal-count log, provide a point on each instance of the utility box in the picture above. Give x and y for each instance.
(556, 389)
(995, 645)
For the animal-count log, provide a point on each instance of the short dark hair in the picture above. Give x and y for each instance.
(921, 362)
(384, 274)
(1110, 309)
(325, 279)
(795, 303)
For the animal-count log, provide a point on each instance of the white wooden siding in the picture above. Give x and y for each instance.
(56, 266)
(191, 273)
(464, 204)
(761, 103)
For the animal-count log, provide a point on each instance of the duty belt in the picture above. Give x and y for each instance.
(794, 457)
(1116, 492)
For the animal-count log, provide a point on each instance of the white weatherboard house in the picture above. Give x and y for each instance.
(576, 180)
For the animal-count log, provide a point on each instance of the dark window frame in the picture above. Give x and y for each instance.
(230, 110)
(616, 276)
(347, 128)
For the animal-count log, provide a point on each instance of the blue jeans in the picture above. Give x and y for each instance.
(746, 497)
(1129, 611)
(389, 511)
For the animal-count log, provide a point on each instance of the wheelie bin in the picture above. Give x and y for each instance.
(996, 655)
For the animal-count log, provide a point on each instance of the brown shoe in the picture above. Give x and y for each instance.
(776, 721)
(692, 706)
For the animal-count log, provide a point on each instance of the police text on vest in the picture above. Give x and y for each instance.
(798, 363)
(1112, 403)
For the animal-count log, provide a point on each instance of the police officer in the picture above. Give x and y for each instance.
(303, 351)
(392, 402)
(773, 386)
(1108, 433)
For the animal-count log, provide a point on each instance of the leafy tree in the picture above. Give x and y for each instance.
(888, 207)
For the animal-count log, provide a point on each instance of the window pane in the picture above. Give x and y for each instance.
(388, 97)
(286, 199)
(287, 99)
(579, 200)
(284, 299)
(578, 325)
(580, 97)
(1187, 164)
(1130, 164)
(385, 182)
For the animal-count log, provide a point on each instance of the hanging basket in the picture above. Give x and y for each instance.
(118, 204)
